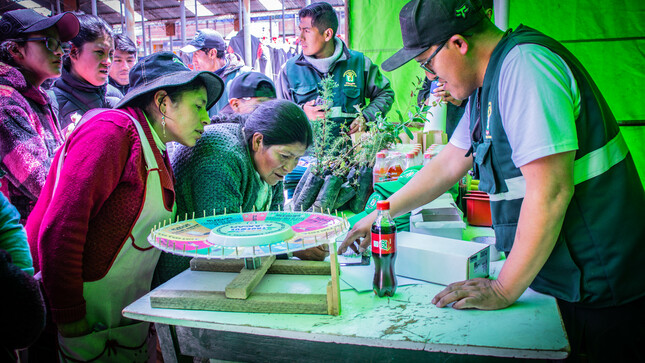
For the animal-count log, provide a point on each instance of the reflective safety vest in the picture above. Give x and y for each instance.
(598, 257)
(349, 73)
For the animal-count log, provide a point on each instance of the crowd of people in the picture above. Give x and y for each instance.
(97, 146)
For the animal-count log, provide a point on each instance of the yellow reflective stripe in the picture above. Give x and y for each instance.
(600, 160)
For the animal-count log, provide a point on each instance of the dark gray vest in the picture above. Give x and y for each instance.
(597, 259)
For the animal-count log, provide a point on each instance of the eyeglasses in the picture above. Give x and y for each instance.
(424, 65)
(52, 43)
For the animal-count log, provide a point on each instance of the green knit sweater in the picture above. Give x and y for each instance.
(215, 174)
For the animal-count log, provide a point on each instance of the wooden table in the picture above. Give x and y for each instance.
(404, 328)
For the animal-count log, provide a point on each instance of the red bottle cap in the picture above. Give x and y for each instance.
(383, 205)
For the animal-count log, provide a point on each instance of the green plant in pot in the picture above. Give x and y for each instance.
(383, 134)
(313, 179)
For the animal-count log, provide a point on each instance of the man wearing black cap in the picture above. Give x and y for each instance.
(209, 54)
(323, 54)
(549, 152)
(247, 91)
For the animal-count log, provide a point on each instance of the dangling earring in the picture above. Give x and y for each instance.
(163, 125)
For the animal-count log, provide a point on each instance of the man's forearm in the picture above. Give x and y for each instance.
(549, 190)
(431, 181)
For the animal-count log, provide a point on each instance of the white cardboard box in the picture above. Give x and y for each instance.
(441, 217)
(440, 260)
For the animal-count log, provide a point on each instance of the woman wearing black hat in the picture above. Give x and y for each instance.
(109, 184)
(31, 48)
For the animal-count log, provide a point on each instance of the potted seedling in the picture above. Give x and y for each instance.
(323, 139)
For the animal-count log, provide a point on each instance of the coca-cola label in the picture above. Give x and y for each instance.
(383, 243)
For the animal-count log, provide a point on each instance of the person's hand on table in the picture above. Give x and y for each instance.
(313, 111)
(74, 329)
(362, 229)
(317, 253)
(441, 92)
(480, 293)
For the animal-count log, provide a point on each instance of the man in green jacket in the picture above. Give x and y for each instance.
(323, 54)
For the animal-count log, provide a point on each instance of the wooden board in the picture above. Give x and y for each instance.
(247, 280)
(239, 296)
(333, 288)
(256, 303)
(287, 267)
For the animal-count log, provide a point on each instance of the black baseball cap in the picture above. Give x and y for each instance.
(165, 69)
(251, 84)
(425, 23)
(206, 38)
(14, 24)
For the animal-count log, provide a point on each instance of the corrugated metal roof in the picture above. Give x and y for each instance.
(165, 10)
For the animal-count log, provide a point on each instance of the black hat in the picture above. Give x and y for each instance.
(206, 38)
(425, 23)
(15, 23)
(251, 84)
(164, 69)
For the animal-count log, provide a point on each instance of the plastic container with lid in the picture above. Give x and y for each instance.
(478, 210)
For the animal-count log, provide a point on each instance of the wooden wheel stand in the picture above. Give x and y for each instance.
(239, 296)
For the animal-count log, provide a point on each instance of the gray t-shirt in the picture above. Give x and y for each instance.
(539, 102)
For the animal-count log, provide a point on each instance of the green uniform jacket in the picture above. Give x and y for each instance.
(357, 77)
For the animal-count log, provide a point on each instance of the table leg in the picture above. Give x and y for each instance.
(169, 345)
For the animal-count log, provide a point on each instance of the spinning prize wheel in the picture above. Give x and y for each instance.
(247, 235)
(253, 238)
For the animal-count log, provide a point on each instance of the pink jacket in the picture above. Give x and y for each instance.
(76, 235)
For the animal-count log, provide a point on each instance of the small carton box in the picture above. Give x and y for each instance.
(440, 260)
(440, 217)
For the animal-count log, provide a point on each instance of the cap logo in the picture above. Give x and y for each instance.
(462, 11)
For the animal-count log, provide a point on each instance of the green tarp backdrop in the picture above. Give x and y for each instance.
(608, 37)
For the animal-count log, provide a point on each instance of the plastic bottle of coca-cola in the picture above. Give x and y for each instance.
(384, 250)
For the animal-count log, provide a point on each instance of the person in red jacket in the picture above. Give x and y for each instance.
(109, 184)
